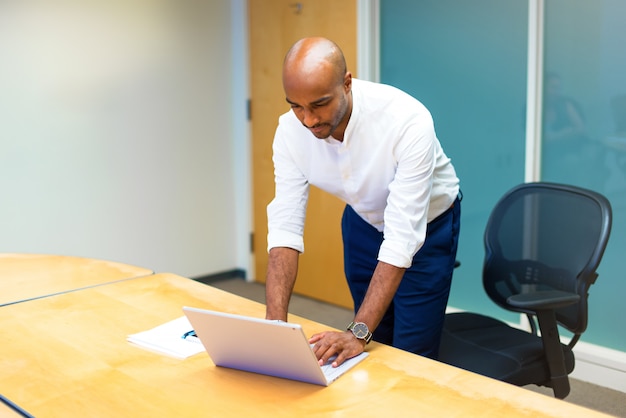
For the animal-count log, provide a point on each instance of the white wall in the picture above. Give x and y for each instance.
(242, 162)
(117, 132)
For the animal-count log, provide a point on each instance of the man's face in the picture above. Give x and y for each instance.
(320, 103)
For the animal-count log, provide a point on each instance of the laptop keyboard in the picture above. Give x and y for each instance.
(331, 372)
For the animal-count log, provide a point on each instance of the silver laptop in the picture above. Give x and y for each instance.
(262, 346)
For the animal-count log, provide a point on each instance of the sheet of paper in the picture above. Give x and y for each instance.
(168, 339)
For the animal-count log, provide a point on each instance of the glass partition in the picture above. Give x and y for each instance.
(584, 131)
(466, 61)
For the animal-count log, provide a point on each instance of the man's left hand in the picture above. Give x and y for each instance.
(342, 344)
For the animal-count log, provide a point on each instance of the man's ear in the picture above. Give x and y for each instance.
(347, 82)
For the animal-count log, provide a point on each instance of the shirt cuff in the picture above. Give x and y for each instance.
(394, 255)
(280, 238)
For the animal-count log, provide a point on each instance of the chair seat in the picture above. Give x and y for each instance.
(492, 348)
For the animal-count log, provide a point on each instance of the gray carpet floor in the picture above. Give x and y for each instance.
(582, 393)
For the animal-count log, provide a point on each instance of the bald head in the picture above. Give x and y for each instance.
(314, 58)
(318, 86)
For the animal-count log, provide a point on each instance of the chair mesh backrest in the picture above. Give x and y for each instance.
(543, 236)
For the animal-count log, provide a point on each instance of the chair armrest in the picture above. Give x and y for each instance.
(541, 300)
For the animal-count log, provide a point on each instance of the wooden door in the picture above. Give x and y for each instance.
(274, 25)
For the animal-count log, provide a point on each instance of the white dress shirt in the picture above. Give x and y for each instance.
(390, 168)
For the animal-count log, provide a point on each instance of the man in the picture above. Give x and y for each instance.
(374, 147)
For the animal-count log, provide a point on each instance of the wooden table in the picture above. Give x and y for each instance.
(29, 276)
(9, 409)
(67, 355)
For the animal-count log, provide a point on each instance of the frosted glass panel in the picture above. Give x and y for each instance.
(585, 131)
(466, 61)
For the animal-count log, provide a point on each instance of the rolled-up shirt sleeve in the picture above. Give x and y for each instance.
(406, 212)
(286, 212)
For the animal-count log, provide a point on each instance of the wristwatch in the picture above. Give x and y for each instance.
(361, 331)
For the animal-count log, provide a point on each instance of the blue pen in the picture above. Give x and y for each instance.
(191, 333)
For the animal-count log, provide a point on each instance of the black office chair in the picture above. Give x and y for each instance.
(543, 244)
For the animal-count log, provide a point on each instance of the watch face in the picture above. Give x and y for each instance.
(360, 330)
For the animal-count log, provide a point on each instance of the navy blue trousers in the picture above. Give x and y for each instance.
(414, 320)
